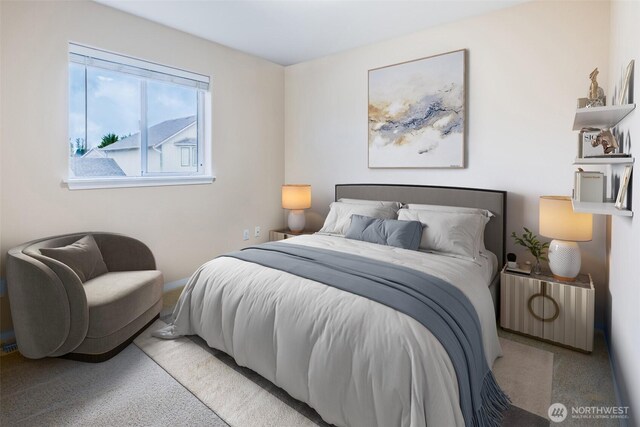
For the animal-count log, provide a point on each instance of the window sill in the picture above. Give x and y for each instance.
(141, 181)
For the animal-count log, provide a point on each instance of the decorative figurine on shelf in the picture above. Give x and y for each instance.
(606, 140)
(596, 93)
(593, 89)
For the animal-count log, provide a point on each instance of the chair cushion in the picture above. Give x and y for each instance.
(83, 257)
(116, 299)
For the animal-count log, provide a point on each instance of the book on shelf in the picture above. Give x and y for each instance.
(624, 185)
(589, 186)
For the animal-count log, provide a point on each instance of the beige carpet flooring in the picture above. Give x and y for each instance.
(524, 372)
(578, 379)
(128, 390)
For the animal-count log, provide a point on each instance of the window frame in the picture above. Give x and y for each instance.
(146, 70)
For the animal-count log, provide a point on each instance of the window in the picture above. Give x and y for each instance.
(186, 157)
(133, 122)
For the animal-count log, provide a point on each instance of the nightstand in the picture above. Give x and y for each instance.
(548, 309)
(285, 234)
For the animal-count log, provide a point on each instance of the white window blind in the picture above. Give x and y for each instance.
(125, 64)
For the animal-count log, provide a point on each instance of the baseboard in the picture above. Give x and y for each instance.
(8, 335)
(175, 284)
(619, 388)
(619, 385)
(8, 342)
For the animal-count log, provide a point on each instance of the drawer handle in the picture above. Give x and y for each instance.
(543, 294)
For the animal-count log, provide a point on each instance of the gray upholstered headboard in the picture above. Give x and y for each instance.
(493, 200)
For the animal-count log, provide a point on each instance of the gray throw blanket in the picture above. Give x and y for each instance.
(442, 308)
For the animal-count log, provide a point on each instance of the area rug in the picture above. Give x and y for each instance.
(525, 373)
(231, 395)
(242, 398)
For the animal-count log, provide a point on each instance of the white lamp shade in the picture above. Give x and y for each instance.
(296, 197)
(559, 221)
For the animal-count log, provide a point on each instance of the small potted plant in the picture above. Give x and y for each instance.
(532, 244)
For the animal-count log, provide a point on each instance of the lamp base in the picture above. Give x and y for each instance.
(564, 260)
(296, 220)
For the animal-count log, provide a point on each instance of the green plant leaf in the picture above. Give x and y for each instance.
(531, 242)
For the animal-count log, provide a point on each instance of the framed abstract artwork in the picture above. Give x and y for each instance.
(417, 113)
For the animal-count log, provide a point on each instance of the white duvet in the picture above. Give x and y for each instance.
(355, 361)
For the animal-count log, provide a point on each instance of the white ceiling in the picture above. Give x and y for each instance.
(288, 32)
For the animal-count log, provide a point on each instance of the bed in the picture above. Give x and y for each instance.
(493, 200)
(356, 361)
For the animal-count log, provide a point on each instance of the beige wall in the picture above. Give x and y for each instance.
(526, 67)
(183, 225)
(5, 318)
(624, 267)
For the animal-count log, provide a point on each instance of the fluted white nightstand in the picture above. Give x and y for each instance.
(545, 308)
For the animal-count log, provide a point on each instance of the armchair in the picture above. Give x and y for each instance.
(55, 313)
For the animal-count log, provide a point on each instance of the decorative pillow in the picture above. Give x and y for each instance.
(396, 205)
(390, 232)
(83, 257)
(442, 208)
(339, 216)
(449, 233)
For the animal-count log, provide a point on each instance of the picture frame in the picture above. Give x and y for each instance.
(624, 185)
(417, 113)
(624, 90)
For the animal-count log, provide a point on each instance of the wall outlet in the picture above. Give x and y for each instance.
(245, 234)
(257, 232)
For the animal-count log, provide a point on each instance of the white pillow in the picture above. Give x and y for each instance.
(396, 205)
(339, 217)
(457, 234)
(442, 208)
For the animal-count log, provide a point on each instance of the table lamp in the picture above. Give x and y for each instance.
(296, 198)
(559, 222)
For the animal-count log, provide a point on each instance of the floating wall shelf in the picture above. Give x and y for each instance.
(601, 117)
(604, 161)
(599, 208)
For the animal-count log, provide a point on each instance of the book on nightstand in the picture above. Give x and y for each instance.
(520, 268)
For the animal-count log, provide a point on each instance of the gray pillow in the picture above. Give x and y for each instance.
(83, 257)
(390, 232)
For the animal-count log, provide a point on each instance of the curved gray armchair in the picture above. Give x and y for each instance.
(55, 313)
